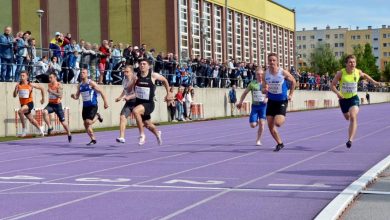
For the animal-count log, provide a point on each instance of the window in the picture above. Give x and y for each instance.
(184, 29)
(327, 36)
(303, 37)
(304, 46)
(312, 46)
(229, 27)
(336, 36)
(336, 45)
(336, 54)
(375, 39)
(341, 36)
(353, 37)
(358, 37)
(341, 44)
(195, 26)
(375, 48)
(312, 37)
(385, 54)
(384, 35)
(299, 38)
(218, 33)
(367, 36)
(384, 44)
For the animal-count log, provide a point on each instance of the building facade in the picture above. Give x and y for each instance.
(342, 41)
(246, 30)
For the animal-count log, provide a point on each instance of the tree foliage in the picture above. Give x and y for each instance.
(366, 61)
(386, 73)
(323, 60)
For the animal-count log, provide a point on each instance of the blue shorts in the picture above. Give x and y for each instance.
(258, 112)
(346, 104)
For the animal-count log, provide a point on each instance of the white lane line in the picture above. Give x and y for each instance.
(188, 208)
(337, 206)
(375, 192)
(315, 185)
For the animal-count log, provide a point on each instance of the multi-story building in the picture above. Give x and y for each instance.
(217, 29)
(342, 41)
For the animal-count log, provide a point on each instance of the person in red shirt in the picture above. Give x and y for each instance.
(104, 52)
(179, 103)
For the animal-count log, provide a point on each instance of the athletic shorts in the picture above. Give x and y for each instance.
(89, 112)
(149, 108)
(56, 108)
(276, 107)
(128, 108)
(30, 106)
(258, 112)
(346, 104)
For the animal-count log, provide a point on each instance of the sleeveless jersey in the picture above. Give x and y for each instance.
(52, 98)
(25, 93)
(145, 88)
(257, 96)
(349, 83)
(277, 85)
(88, 94)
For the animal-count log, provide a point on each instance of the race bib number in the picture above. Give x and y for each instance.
(24, 93)
(258, 96)
(52, 96)
(349, 87)
(142, 92)
(275, 88)
(86, 96)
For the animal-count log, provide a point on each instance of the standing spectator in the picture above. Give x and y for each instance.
(215, 76)
(232, 99)
(54, 67)
(117, 72)
(116, 55)
(171, 107)
(87, 57)
(159, 63)
(187, 103)
(75, 65)
(127, 53)
(368, 98)
(32, 54)
(180, 104)
(21, 52)
(104, 50)
(41, 69)
(224, 76)
(6, 54)
(94, 62)
(55, 46)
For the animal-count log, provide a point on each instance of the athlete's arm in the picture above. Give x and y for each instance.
(164, 81)
(336, 80)
(264, 85)
(36, 86)
(77, 95)
(59, 93)
(120, 96)
(16, 91)
(368, 77)
(290, 78)
(131, 88)
(242, 98)
(99, 90)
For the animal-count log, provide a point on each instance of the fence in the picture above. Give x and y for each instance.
(38, 116)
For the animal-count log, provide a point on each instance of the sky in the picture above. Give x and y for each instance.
(345, 13)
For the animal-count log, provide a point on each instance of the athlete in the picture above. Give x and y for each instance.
(55, 105)
(128, 96)
(275, 83)
(145, 90)
(24, 90)
(259, 104)
(348, 79)
(89, 90)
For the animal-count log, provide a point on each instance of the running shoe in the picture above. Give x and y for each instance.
(258, 143)
(159, 139)
(349, 144)
(24, 133)
(279, 147)
(69, 138)
(92, 142)
(120, 140)
(42, 131)
(99, 117)
(49, 130)
(141, 140)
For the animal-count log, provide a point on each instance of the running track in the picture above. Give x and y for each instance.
(204, 170)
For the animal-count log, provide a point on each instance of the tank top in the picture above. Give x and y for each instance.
(277, 85)
(144, 88)
(349, 83)
(25, 93)
(52, 98)
(88, 94)
(257, 96)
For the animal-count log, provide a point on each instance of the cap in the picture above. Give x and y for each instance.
(57, 33)
(123, 59)
(135, 47)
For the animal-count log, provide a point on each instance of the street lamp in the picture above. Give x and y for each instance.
(40, 14)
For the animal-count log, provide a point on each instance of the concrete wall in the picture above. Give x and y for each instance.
(214, 101)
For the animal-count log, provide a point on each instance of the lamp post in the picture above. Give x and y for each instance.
(40, 14)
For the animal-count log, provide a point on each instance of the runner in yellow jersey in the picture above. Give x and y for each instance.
(348, 79)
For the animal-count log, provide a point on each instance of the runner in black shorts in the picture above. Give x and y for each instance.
(275, 83)
(128, 96)
(55, 96)
(144, 90)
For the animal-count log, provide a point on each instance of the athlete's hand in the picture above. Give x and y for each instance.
(73, 96)
(239, 105)
(105, 105)
(339, 96)
(118, 99)
(17, 88)
(290, 97)
(169, 97)
(42, 101)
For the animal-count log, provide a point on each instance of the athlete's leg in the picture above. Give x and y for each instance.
(151, 127)
(138, 111)
(88, 128)
(273, 130)
(279, 120)
(122, 126)
(46, 117)
(22, 110)
(353, 112)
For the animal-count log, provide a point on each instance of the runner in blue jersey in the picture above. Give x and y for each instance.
(259, 104)
(89, 91)
(275, 83)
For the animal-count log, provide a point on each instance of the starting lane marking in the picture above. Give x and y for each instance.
(315, 185)
(104, 180)
(192, 182)
(20, 177)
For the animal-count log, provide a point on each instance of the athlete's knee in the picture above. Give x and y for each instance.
(253, 125)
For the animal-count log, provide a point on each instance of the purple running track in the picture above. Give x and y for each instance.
(203, 170)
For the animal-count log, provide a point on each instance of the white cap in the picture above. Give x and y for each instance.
(135, 47)
(57, 33)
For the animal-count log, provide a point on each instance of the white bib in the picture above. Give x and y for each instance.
(349, 87)
(275, 88)
(24, 93)
(86, 96)
(142, 92)
(52, 96)
(258, 96)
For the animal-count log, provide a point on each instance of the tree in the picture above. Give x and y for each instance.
(386, 72)
(366, 61)
(323, 60)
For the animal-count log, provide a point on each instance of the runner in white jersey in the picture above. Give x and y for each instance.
(275, 83)
(128, 96)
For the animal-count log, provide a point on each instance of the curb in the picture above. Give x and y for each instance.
(337, 206)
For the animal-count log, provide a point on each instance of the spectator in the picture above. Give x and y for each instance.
(6, 54)
(116, 55)
(232, 99)
(368, 98)
(21, 53)
(32, 54)
(55, 46)
(104, 50)
(171, 107)
(41, 70)
(54, 67)
(180, 104)
(88, 59)
(215, 77)
(117, 72)
(187, 103)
